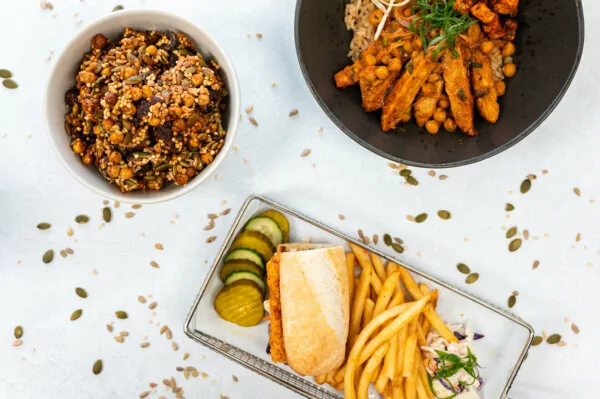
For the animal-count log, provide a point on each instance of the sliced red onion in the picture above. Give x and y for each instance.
(477, 336)
(446, 385)
(459, 335)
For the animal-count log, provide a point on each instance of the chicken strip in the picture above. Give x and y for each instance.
(483, 13)
(459, 91)
(425, 105)
(506, 7)
(402, 95)
(486, 97)
(374, 90)
(463, 6)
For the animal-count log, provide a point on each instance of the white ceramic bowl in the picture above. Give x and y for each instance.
(62, 79)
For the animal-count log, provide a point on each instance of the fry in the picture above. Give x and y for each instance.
(421, 337)
(398, 392)
(424, 288)
(339, 377)
(369, 371)
(424, 377)
(350, 265)
(398, 299)
(339, 386)
(421, 393)
(320, 379)
(409, 283)
(397, 378)
(391, 268)
(410, 388)
(365, 263)
(405, 313)
(410, 346)
(358, 304)
(368, 312)
(378, 266)
(389, 366)
(387, 290)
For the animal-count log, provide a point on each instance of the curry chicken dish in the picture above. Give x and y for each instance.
(432, 60)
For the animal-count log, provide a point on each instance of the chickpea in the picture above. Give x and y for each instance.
(194, 143)
(129, 109)
(206, 158)
(509, 70)
(155, 184)
(105, 72)
(375, 17)
(500, 88)
(110, 99)
(407, 47)
(428, 89)
(188, 99)
(79, 147)
(370, 59)
(450, 125)
(126, 173)
(190, 172)
(116, 137)
(369, 75)
(487, 47)
(107, 124)
(147, 91)
(129, 72)
(509, 49)
(151, 50)
(136, 93)
(179, 125)
(417, 43)
(407, 12)
(115, 157)
(395, 65)
(385, 59)
(87, 77)
(443, 102)
(432, 127)
(181, 179)
(153, 121)
(87, 159)
(382, 72)
(439, 115)
(197, 79)
(99, 41)
(113, 171)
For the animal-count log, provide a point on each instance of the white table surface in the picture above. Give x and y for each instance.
(338, 177)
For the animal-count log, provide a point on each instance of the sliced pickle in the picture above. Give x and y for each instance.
(281, 220)
(238, 265)
(241, 303)
(256, 241)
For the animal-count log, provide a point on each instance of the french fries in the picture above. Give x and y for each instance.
(378, 266)
(368, 312)
(350, 260)
(369, 371)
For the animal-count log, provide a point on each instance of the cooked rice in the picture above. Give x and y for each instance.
(496, 63)
(357, 20)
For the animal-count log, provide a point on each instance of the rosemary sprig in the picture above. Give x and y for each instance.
(439, 15)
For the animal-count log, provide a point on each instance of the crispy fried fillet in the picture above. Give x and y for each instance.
(463, 6)
(425, 106)
(459, 91)
(510, 26)
(486, 97)
(494, 29)
(506, 7)
(483, 13)
(276, 327)
(350, 75)
(402, 95)
(374, 93)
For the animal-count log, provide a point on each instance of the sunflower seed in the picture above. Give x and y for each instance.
(169, 334)
(405, 172)
(293, 112)
(412, 181)
(471, 278)
(5, 74)
(577, 191)
(163, 329)
(554, 339)
(129, 215)
(159, 246)
(526, 234)
(509, 207)
(511, 232)
(154, 265)
(63, 253)
(253, 121)
(443, 177)
(17, 342)
(18, 332)
(76, 314)
(81, 292)
(106, 214)
(420, 218)
(145, 344)
(525, 186)
(44, 226)
(226, 211)
(121, 314)
(387, 239)
(512, 300)
(144, 394)
(109, 327)
(10, 84)
(186, 356)
(305, 153)
(119, 339)
(535, 265)
(444, 215)
(515, 244)
(578, 237)
(97, 368)
(152, 305)
(537, 340)
(573, 327)
(69, 251)
(464, 269)
(174, 346)
(211, 239)
(117, 8)
(399, 240)
(234, 378)
(136, 206)
(141, 299)
(397, 247)
(48, 256)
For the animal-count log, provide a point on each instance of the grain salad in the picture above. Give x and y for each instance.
(146, 109)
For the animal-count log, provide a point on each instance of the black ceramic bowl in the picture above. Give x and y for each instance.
(549, 45)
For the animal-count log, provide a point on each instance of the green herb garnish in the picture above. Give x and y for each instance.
(476, 65)
(449, 364)
(441, 16)
(462, 95)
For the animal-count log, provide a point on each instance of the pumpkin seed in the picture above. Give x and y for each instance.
(82, 219)
(48, 256)
(537, 340)
(121, 314)
(106, 214)
(535, 265)
(412, 181)
(76, 314)
(81, 292)
(525, 186)
(97, 369)
(471, 278)
(464, 269)
(405, 172)
(444, 215)
(554, 339)
(421, 218)
(387, 239)
(512, 300)
(5, 74)
(399, 240)
(10, 84)
(44, 226)
(397, 247)
(511, 232)
(515, 244)
(18, 332)
(509, 207)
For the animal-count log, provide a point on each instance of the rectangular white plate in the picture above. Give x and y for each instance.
(501, 352)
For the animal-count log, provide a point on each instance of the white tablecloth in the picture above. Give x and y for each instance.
(338, 177)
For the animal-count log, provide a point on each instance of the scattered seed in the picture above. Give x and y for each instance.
(554, 339)
(10, 84)
(361, 234)
(169, 334)
(305, 153)
(471, 278)
(76, 314)
(117, 8)
(253, 121)
(509, 207)
(109, 327)
(405, 172)
(63, 253)
(82, 219)
(537, 340)
(174, 346)
(18, 332)
(399, 240)
(445, 215)
(154, 265)
(421, 218)
(121, 314)
(17, 342)
(144, 394)
(70, 251)
(387, 239)
(443, 177)
(124, 334)
(535, 265)
(119, 339)
(234, 378)
(397, 247)
(249, 109)
(152, 305)
(431, 173)
(211, 239)
(106, 214)
(152, 385)
(186, 356)
(525, 186)
(515, 244)
(293, 112)
(179, 368)
(226, 211)
(210, 225)
(5, 74)
(97, 368)
(512, 300)
(145, 344)
(511, 232)
(577, 191)
(129, 215)
(526, 234)
(159, 246)
(412, 181)
(562, 343)
(136, 206)
(341, 217)
(410, 218)
(69, 232)
(573, 327)
(544, 335)
(44, 226)
(578, 237)
(464, 269)
(141, 299)
(81, 292)
(48, 256)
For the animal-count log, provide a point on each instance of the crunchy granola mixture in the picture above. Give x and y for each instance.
(146, 110)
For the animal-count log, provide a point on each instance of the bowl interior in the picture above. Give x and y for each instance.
(547, 58)
(63, 78)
